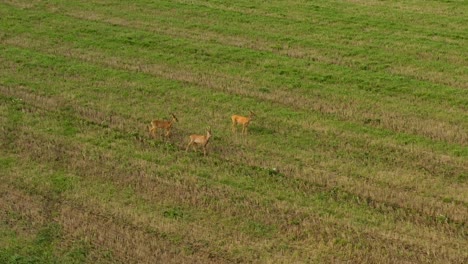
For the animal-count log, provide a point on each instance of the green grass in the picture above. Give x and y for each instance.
(357, 152)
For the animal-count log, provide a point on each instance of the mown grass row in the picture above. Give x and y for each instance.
(165, 52)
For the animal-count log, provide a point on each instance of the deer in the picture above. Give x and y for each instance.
(201, 140)
(162, 124)
(241, 120)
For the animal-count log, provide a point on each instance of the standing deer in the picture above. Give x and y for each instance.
(200, 140)
(241, 120)
(163, 124)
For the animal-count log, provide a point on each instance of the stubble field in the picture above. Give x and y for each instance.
(358, 151)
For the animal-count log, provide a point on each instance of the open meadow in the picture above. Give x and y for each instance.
(358, 150)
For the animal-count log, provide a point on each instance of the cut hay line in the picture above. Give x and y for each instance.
(434, 129)
(353, 112)
(384, 195)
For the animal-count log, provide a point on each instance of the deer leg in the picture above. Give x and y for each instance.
(190, 143)
(153, 132)
(156, 132)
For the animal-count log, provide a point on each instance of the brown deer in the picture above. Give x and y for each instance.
(241, 120)
(201, 140)
(162, 124)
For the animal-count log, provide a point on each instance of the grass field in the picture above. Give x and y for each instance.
(358, 151)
